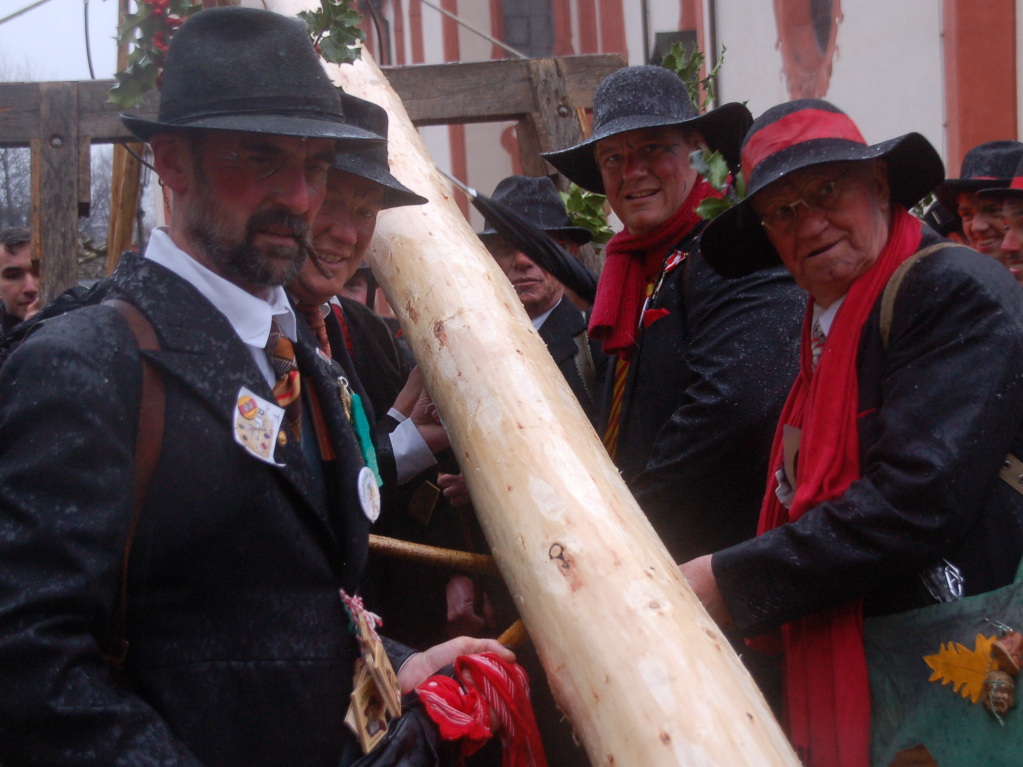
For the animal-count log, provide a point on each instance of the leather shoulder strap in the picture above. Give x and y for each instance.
(148, 442)
(1012, 467)
(891, 290)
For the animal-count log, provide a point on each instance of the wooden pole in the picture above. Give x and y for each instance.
(642, 672)
(432, 556)
(56, 170)
(125, 182)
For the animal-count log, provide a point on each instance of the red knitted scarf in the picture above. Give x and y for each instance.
(632, 262)
(826, 686)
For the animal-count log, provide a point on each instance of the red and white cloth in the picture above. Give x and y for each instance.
(461, 708)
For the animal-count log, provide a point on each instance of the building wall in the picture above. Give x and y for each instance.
(945, 68)
(886, 62)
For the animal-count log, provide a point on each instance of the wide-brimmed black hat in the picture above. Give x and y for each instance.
(648, 97)
(802, 134)
(246, 69)
(537, 200)
(985, 166)
(372, 163)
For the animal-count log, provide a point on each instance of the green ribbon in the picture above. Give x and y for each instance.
(365, 437)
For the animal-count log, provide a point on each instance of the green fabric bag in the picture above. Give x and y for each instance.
(907, 709)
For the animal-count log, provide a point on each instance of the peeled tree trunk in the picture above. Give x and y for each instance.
(643, 674)
(640, 670)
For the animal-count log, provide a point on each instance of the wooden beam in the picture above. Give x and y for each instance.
(84, 176)
(55, 169)
(434, 94)
(529, 148)
(554, 115)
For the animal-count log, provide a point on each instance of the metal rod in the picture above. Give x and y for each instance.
(473, 29)
(24, 10)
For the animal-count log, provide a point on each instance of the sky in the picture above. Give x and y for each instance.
(48, 42)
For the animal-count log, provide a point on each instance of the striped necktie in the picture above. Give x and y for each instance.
(817, 339)
(281, 355)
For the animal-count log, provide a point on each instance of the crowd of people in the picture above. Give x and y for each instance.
(816, 398)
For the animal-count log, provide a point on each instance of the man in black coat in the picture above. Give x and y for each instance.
(239, 649)
(560, 323)
(700, 365)
(887, 489)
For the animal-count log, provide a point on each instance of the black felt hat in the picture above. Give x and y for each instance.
(648, 97)
(372, 163)
(537, 200)
(250, 70)
(802, 134)
(985, 166)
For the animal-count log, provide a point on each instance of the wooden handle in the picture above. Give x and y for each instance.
(432, 556)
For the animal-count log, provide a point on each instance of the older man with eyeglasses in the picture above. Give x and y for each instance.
(885, 494)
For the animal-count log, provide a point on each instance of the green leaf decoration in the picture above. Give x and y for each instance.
(335, 31)
(712, 207)
(687, 65)
(148, 31)
(586, 209)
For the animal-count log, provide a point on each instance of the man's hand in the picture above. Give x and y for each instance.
(703, 583)
(462, 615)
(424, 415)
(410, 393)
(425, 664)
(415, 403)
(454, 488)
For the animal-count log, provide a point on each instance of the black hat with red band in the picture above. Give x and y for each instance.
(803, 134)
(1014, 188)
(986, 166)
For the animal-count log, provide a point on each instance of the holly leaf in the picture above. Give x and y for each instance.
(962, 668)
(340, 48)
(133, 84)
(586, 209)
(712, 207)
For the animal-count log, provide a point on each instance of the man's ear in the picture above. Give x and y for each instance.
(172, 159)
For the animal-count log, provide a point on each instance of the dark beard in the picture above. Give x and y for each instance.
(245, 263)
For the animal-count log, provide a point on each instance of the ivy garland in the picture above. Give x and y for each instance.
(334, 29)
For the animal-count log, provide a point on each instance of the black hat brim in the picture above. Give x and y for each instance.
(722, 129)
(396, 194)
(735, 243)
(947, 193)
(580, 235)
(348, 136)
(1003, 192)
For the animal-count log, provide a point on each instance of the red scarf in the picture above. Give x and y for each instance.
(827, 695)
(631, 263)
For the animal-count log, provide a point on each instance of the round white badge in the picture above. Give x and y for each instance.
(369, 494)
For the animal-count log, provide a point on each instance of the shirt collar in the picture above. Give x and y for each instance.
(249, 315)
(826, 316)
(539, 320)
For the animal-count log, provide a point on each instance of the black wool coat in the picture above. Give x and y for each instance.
(939, 409)
(239, 648)
(562, 331)
(704, 391)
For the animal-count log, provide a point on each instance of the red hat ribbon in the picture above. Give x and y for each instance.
(804, 125)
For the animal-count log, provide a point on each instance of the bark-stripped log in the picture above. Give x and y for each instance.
(642, 672)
